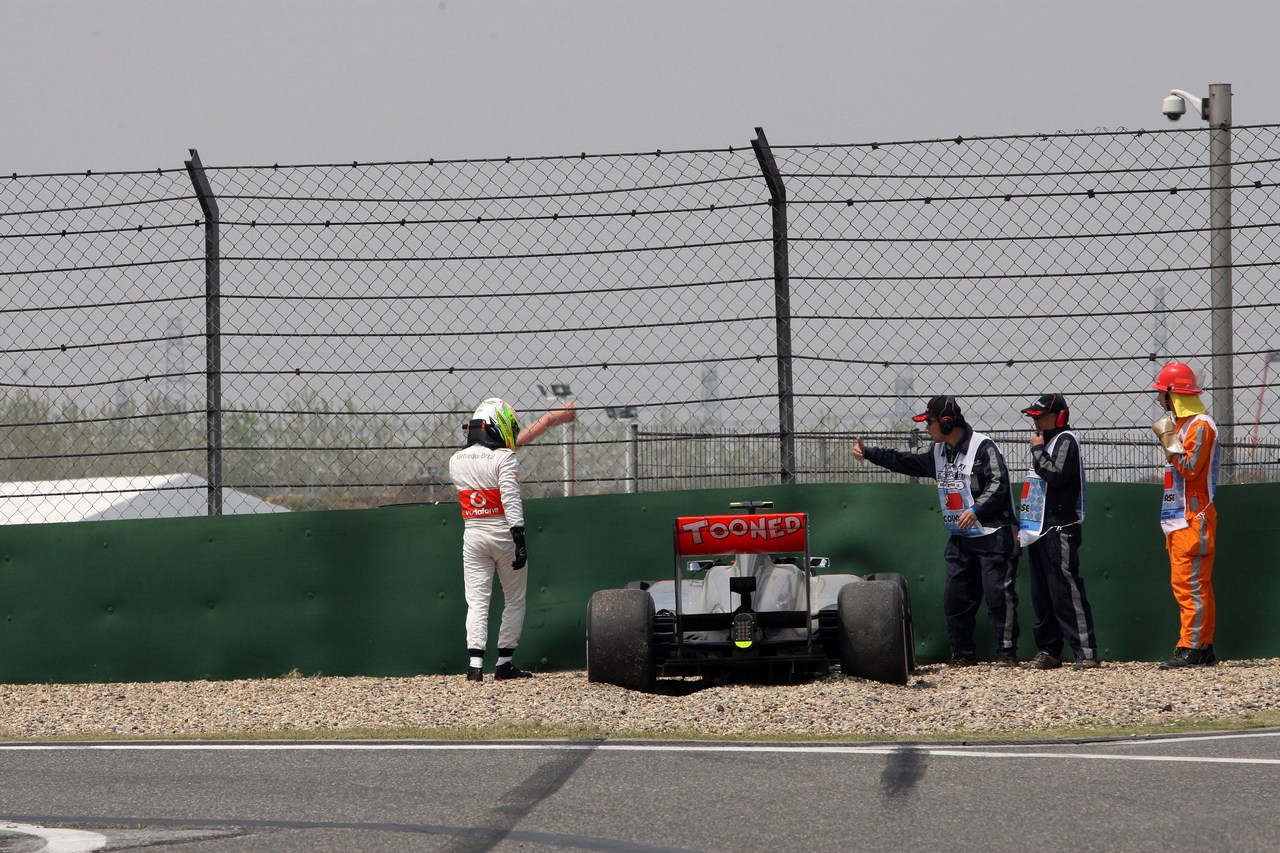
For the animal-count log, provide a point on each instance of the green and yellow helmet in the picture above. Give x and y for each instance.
(500, 421)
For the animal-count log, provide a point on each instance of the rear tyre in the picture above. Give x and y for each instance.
(872, 635)
(620, 638)
(908, 624)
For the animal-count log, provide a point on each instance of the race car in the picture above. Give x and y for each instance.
(748, 601)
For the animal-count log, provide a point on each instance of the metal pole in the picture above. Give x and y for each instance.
(1262, 390)
(566, 462)
(633, 459)
(1220, 272)
(782, 306)
(212, 332)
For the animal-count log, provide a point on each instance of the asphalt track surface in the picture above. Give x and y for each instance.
(1214, 792)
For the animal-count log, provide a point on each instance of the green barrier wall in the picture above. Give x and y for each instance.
(379, 592)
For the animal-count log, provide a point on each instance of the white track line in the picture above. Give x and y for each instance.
(59, 840)
(964, 751)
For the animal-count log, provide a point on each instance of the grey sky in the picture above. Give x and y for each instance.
(132, 84)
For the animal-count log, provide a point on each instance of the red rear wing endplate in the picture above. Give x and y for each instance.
(765, 533)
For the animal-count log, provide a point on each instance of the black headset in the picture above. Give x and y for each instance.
(947, 415)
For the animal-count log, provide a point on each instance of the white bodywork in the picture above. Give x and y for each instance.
(779, 586)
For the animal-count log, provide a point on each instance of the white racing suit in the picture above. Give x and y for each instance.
(488, 482)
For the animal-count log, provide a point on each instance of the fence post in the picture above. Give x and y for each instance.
(212, 331)
(1224, 392)
(782, 306)
(633, 458)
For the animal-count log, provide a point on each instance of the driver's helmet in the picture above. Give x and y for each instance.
(499, 421)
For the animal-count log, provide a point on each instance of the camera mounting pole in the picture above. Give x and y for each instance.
(1216, 110)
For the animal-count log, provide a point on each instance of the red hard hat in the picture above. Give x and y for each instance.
(1178, 378)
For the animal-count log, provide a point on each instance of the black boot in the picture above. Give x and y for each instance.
(1184, 657)
(474, 673)
(509, 670)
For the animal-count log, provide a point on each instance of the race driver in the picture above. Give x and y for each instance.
(487, 475)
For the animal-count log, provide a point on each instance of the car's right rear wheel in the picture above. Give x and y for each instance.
(908, 626)
(620, 638)
(873, 639)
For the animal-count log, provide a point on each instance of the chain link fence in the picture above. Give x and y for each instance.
(315, 335)
(710, 460)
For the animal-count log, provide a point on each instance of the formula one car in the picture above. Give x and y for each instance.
(752, 604)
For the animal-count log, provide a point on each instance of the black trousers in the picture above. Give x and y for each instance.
(1057, 595)
(979, 568)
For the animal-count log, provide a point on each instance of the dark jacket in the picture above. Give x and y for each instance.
(992, 498)
(1061, 472)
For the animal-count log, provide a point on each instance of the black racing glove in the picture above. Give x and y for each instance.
(522, 556)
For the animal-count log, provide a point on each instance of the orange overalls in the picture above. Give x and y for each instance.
(1190, 522)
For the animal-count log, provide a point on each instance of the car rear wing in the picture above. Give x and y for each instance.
(749, 533)
(765, 533)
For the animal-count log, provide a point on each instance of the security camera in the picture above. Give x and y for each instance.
(1175, 106)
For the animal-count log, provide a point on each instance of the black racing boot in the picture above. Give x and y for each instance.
(475, 673)
(509, 670)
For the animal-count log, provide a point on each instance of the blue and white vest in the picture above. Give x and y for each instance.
(1034, 490)
(954, 492)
